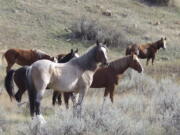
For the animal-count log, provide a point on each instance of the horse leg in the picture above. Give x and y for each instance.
(59, 98)
(73, 98)
(153, 58)
(67, 95)
(19, 93)
(38, 97)
(78, 106)
(105, 97)
(31, 94)
(111, 89)
(147, 62)
(55, 95)
(105, 94)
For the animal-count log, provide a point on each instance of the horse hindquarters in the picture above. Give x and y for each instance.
(10, 56)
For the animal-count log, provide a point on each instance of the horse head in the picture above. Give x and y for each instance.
(135, 63)
(101, 53)
(163, 42)
(69, 56)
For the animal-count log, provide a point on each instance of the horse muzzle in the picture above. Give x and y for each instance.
(141, 71)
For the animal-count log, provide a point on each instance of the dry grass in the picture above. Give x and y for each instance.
(145, 104)
(146, 107)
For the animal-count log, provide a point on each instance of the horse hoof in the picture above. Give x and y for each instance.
(41, 119)
(38, 121)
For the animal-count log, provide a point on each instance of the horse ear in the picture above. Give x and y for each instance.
(76, 51)
(165, 38)
(71, 50)
(97, 43)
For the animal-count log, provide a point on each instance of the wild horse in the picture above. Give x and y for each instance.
(19, 77)
(73, 76)
(107, 77)
(24, 57)
(147, 51)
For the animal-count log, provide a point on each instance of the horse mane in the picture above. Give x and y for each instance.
(119, 64)
(40, 53)
(85, 61)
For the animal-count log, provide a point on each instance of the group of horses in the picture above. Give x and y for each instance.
(69, 74)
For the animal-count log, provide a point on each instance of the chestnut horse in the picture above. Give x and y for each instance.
(147, 51)
(19, 77)
(24, 57)
(107, 77)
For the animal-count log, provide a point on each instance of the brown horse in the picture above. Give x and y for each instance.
(107, 77)
(148, 50)
(24, 57)
(18, 77)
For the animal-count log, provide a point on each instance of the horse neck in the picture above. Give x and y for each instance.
(121, 65)
(86, 61)
(156, 45)
(65, 59)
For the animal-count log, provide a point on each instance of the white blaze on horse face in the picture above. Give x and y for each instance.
(76, 55)
(55, 60)
(137, 59)
(164, 43)
(104, 51)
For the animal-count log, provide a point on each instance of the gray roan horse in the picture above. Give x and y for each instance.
(74, 76)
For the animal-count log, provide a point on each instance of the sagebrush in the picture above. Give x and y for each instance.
(91, 30)
(159, 2)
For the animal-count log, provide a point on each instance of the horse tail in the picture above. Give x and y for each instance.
(20, 76)
(31, 91)
(8, 83)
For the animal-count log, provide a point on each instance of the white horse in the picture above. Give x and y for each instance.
(73, 76)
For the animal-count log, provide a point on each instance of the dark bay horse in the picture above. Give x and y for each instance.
(24, 57)
(62, 58)
(107, 77)
(147, 51)
(19, 77)
(74, 76)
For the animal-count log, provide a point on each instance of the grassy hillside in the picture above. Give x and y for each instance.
(43, 24)
(144, 104)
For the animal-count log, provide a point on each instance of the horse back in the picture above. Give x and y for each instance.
(20, 56)
(146, 51)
